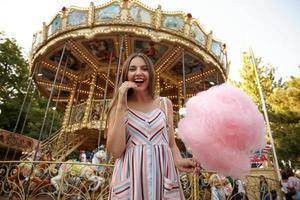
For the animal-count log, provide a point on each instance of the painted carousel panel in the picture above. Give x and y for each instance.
(198, 34)
(68, 60)
(191, 65)
(216, 48)
(50, 76)
(108, 13)
(154, 50)
(37, 39)
(140, 15)
(77, 18)
(61, 92)
(16, 141)
(101, 49)
(173, 22)
(55, 25)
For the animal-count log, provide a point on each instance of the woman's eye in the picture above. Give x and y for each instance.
(131, 69)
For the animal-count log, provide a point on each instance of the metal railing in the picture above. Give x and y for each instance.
(67, 180)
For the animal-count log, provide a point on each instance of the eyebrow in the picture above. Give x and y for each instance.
(136, 66)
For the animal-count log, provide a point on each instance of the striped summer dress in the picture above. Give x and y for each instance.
(146, 171)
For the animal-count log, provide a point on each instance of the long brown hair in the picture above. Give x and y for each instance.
(124, 77)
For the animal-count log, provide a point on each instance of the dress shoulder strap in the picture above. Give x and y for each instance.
(165, 105)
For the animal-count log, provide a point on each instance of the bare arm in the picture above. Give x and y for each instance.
(173, 145)
(116, 137)
(116, 131)
(183, 164)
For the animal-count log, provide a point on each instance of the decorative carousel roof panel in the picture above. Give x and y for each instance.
(197, 34)
(55, 25)
(140, 15)
(173, 22)
(99, 38)
(108, 13)
(77, 17)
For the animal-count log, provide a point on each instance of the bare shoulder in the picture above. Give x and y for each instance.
(167, 101)
(162, 99)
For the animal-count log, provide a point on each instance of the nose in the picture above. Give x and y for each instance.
(138, 70)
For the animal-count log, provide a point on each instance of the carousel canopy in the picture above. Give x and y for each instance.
(79, 43)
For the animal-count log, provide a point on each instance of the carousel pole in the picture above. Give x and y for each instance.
(182, 86)
(28, 108)
(58, 96)
(44, 121)
(48, 104)
(23, 104)
(227, 64)
(117, 81)
(30, 80)
(265, 114)
(183, 76)
(104, 99)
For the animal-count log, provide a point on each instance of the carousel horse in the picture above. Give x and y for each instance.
(72, 173)
(100, 157)
(40, 172)
(28, 171)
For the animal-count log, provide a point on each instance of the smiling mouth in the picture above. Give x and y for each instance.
(139, 81)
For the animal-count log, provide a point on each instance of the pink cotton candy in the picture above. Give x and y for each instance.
(221, 126)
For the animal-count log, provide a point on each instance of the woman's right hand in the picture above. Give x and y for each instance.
(123, 89)
(188, 165)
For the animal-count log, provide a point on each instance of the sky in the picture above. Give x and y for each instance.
(270, 27)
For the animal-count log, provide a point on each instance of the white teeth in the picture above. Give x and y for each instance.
(139, 80)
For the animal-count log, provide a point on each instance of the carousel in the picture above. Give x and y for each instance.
(76, 61)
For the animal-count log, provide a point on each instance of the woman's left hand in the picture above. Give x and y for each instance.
(188, 165)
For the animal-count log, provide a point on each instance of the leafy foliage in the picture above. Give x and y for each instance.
(13, 85)
(285, 103)
(282, 102)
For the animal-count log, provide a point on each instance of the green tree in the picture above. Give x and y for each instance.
(13, 85)
(285, 101)
(285, 105)
(13, 69)
(282, 101)
(13, 80)
(248, 79)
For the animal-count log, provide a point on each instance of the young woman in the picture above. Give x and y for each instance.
(140, 136)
